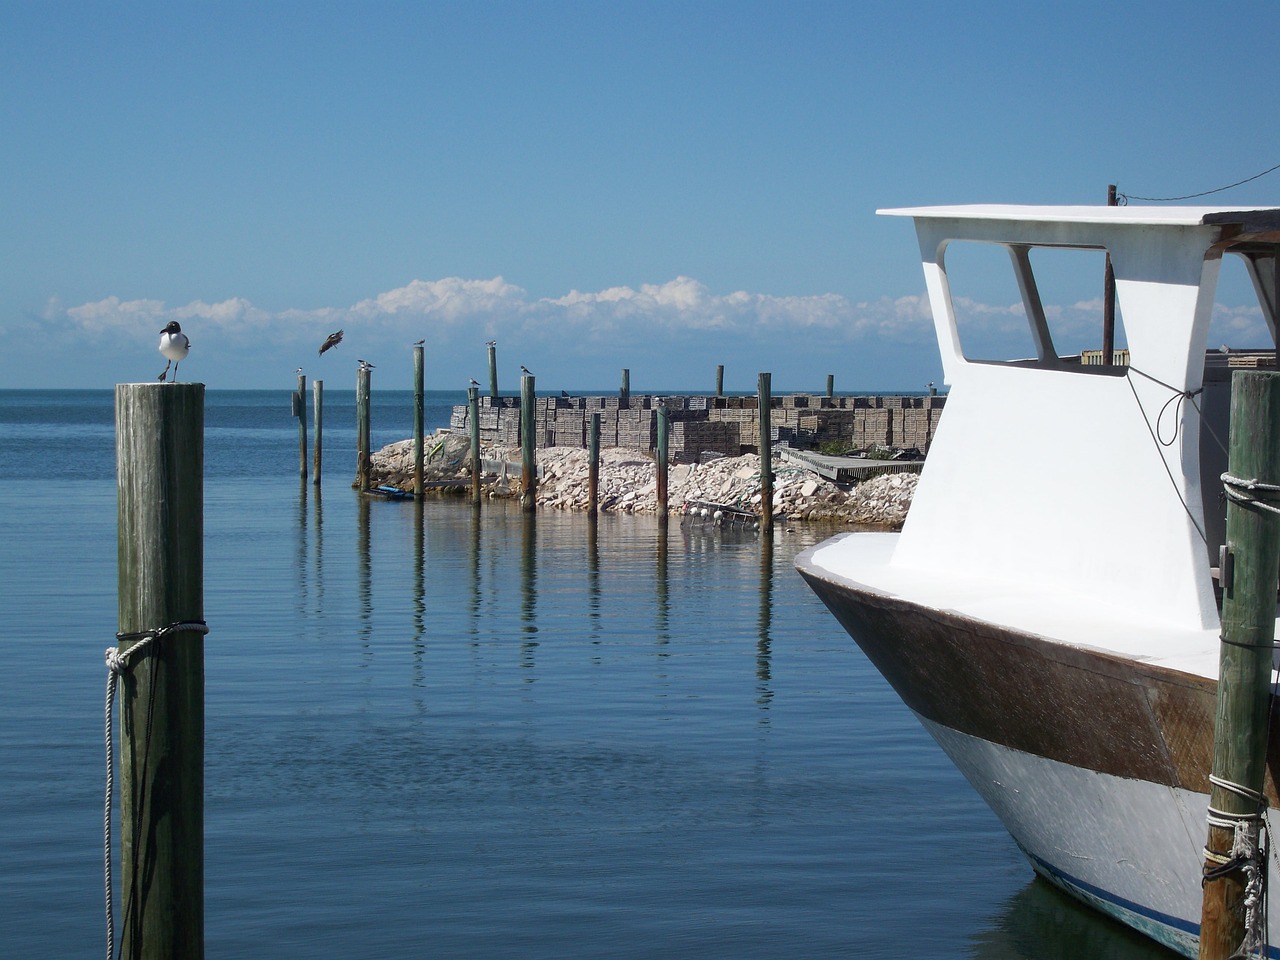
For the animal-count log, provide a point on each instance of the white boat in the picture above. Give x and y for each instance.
(1049, 609)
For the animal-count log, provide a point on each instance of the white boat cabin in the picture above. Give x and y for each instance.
(1067, 498)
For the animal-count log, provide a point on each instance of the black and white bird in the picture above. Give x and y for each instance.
(330, 342)
(175, 346)
(525, 370)
(475, 382)
(365, 365)
(418, 343)
(298, 370)
(491, 343)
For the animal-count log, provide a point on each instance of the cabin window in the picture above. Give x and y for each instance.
(994, 318)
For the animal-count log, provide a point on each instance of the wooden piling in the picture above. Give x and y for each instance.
(624, 392)
(160, 564)
(831, 385)
(765, 394)
(317, 389)
(417, 420)
(362, 429)
(720, 380)
(473, 421)
(593, 467)
(664, 430)
(493, 372)
(528, 463)
(302, 425)
(1251, 565)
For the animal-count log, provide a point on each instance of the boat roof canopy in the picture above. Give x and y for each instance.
(1247, 219)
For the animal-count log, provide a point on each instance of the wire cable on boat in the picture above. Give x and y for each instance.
(118, 662)
(1178, 397)
(1122, 199)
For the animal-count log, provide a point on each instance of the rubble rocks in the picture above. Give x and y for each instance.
(628, 482)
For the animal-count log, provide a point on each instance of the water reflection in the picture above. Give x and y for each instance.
(593, 580)
(764, 655)
(528, 586)
(364, 572)
(419, 590)
(662, 588)
(1043, 923)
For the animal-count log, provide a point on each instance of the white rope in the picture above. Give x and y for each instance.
(117, 664)
(1249, 856)
(1242, 492)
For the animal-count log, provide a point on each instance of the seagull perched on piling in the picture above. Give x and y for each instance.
(365, 365)
(331, 341)
(418, 343)
(525, 370)
(475, 382)
(491, 343)
(175, 346)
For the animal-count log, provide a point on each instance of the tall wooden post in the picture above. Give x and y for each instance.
(831, 385)
(765, 393)
(1250, 570)
(302, 425)
(528, 463)
(719, 379)
(493, 372)
(664, 429)
(362, 429)
(417, 420)
(624, 392)
(1109, 300)
(593, 466)
(473, 421)
(160, 564)
(317, 388)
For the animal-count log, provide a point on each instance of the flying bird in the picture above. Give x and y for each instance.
(175, 346)
(525, 370)
(298, 370)
(331, 341)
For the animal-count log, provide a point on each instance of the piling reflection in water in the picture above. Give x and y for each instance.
(593, 580)
(364, 575)
(764, 653)
(662, 589)
(528, 585)
(419, 590)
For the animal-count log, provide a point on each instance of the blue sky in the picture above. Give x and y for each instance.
(659, 186)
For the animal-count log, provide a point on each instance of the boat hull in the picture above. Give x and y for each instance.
(1096, 764)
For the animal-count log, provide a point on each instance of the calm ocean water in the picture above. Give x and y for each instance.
(435, 736)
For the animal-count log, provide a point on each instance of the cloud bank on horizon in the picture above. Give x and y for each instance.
(579, 333)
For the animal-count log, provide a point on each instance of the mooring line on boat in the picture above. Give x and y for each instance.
(1249, 854)
(1241, 491)
(1179, 395)
(118, 661)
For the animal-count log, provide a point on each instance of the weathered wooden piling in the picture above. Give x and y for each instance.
(317, 389)
(493, 371)
(664, 430)
(417, 420)
(765, 394)
(1249, 570)
(362, 428)
(528, 463)
(473, 421)
(624, 392)
(160, 564)
(720, 380)
(593, 467)
(301, 407)
(831, 385)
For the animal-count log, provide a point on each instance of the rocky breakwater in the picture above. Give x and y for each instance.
(628, 482)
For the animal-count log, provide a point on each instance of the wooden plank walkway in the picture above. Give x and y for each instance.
(848, 469)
